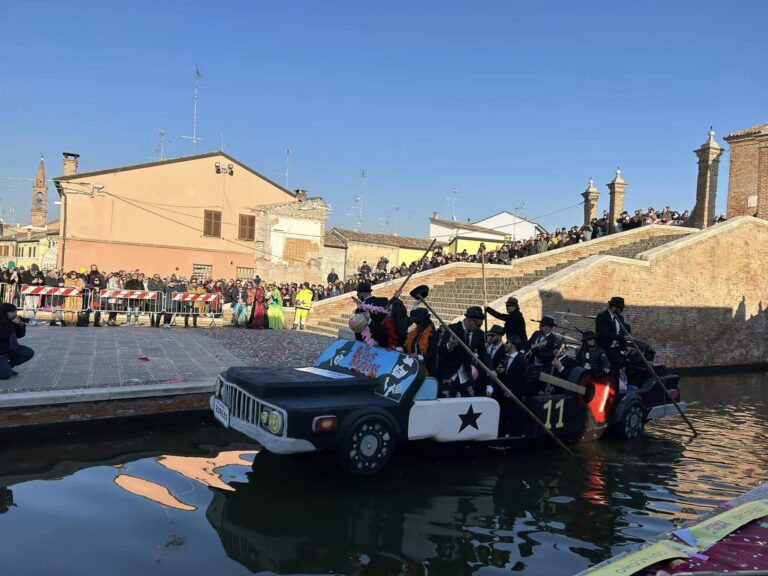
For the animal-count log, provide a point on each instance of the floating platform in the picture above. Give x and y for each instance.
(732, 539)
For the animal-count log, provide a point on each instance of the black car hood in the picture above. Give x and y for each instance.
(276, 382)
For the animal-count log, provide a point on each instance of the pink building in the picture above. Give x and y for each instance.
(207, 214)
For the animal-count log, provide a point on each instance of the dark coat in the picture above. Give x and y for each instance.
(449, 361)
(595, 359)
(545, 351)
(514, 323)
(514, 377)
(5, 335)
(608, 335)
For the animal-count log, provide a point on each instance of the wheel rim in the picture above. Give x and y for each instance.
(370, 446)
(634, 423)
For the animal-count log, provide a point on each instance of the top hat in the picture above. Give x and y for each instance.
(511, 301)
(474, 312)
(617, 301)
(364, 287)
(419, 315)
(547, 321)
(496, 329)
(420, 292)
(588, 335)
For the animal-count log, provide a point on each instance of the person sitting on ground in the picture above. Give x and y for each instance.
(11, 352)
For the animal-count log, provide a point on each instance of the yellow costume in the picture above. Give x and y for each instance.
(302, 305)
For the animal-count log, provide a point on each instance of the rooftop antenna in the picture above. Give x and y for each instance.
(194, 137)
(163, 141)
(222, 141)
(452, 200)
(287, 165)
(397, 210)
(359, 222)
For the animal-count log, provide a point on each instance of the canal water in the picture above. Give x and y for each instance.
(197, 499)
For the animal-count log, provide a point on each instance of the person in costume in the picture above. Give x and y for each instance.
(543, 343)
(369, 326)
(458, 372)
(610, 334)
(303, 302)
(514, 323)
(592, 356)
(275, 315)
(258, 319)
(396, 323)
(421, 342)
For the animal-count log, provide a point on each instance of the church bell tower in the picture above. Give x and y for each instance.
(39, 196)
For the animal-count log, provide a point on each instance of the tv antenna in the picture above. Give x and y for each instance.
(397, 211)
(163, 142)
(452, 203)
(287, 165)
(194, 138)
(357, 208)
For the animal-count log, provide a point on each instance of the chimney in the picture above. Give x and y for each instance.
(301, 195)
(70, 163)
(435, 216)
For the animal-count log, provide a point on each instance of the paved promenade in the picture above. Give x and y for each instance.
(79, 365)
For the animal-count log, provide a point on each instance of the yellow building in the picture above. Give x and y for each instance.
(346, 250)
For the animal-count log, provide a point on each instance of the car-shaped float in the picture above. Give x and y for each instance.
(362, 401)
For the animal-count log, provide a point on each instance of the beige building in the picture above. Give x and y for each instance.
(345, 250)
(207, 214)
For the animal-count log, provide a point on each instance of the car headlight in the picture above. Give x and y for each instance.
(275, 422)
(264, 417)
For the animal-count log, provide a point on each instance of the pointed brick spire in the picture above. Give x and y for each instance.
(39, 195)
(709, 154)
(590, 196)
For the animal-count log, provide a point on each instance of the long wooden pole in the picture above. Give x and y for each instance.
(659, 380)
(485, 291)
(507, 392)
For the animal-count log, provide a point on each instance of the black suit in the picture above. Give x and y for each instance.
(610, 337)
(497, 357)
(450, 361)
(512, 417)
(514, 323)
(542, 347)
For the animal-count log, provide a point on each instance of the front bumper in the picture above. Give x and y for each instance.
(246, 422)
(665, 410)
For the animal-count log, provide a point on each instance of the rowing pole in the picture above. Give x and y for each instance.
(417, 294)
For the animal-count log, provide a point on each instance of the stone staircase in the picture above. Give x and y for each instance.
(455, 287)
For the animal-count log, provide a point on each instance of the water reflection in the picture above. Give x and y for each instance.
(534, 513)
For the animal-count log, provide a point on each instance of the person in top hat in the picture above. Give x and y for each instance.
(458, 372)
(494, 345)
(591, 356)
(375, 333)
(514, 323)
(610, 329)
(544, 343)
(421, 342)
(512, 373)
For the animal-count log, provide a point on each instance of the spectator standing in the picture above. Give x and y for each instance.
(156, 284)
(332, 276)
(133, 303)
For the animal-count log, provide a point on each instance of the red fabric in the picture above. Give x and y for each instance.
(391, 333)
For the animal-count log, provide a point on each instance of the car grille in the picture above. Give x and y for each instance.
(247, 408)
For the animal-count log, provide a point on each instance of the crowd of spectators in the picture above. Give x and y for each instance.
(515, 249)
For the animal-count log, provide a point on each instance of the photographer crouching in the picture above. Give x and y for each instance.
(12, 327)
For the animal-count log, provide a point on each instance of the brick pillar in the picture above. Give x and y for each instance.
(590, 196)
(706, 186)
(762, 181)
(616, 189)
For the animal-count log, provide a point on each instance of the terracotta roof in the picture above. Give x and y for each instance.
(751, 131)
(333, 240)
(384, 239)
(466, 226)
(81, 175)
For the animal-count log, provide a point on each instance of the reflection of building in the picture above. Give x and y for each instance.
(209, 214)
(492, 231)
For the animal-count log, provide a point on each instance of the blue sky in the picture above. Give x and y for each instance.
(506, 102)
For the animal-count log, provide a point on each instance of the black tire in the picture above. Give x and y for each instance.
(632, 424)
(367, 446)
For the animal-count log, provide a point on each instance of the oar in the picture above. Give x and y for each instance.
(419, 293)
(659, 380)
